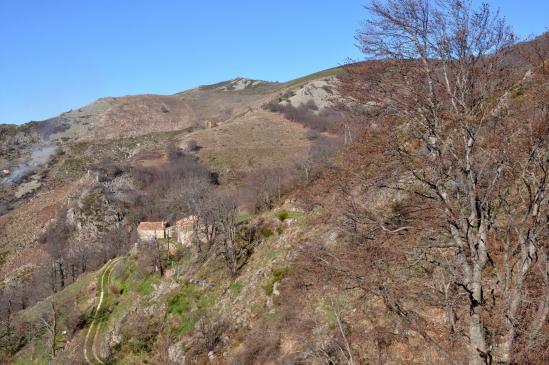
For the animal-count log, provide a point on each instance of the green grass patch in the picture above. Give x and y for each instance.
(328, 315)
(187, 324)
(235, 288)
(37, 354)
(187, 306)
(271, 255)
(180, 304)
(244, 217)
(118, 285)
(293, 214)
(124, 280)
(144, 287)
(266, 232)
(282, 215)
(103, 314)
(277, 275)
(518, 93)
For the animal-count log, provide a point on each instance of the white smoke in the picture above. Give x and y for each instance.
(40, 155)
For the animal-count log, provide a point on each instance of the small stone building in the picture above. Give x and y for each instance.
(184, 230)
(150, 230)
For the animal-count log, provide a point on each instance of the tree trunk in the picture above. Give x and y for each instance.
(61, 274)
(159, 262)
(53, 279)
(73, 273)
(83, 263)
(8, 319)
(477, 342)
(505, 352)
(54, 329)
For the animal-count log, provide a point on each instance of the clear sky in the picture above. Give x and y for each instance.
(61, 54)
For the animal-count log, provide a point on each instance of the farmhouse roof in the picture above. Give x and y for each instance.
(151, 226)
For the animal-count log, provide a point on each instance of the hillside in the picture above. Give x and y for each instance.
(311, 289)
(84, 163)
(346, 217)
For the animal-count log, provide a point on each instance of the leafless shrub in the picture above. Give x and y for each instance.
(192, 146)
(4, 207)
(141, 331)
(311, 135)
(108, 169)
(318, 158)
(165, 189)
(208, 335)
(327, 120)
(114, 289)
(162, 351)
(261, 347)
(147, 258)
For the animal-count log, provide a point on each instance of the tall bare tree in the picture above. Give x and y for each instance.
(228, 222)
(50, 326)
(471, 142)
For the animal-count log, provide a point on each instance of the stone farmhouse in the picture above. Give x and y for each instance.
(150, 230)
(182, 230)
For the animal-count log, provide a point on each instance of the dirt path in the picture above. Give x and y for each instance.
(103, 287)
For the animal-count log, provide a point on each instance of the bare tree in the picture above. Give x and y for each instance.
(475, 155)
(306, 167)
(348, 353)
(266, 186)
(159, 263)
(200, 200)
(50, 325)
(318, 157)
(228, 221)
(536, 51)
(7, 299)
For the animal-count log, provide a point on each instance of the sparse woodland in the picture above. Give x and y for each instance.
(464, 167)
(414, 229)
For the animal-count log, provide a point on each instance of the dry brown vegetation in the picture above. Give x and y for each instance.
(447, 206)
(424, 240)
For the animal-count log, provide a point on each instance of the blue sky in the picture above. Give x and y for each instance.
(61, 54)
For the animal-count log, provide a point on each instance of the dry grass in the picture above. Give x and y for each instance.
(21, 227)
(258, 139)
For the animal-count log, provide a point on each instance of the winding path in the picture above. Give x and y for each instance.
(103, 287)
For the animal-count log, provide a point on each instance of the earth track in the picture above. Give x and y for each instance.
(103, 286)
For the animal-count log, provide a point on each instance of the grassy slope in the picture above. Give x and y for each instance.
(174, 305)
(249, 140)
(257, 139)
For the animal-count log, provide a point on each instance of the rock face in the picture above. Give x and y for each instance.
(93, 212)
(27, 188)
(318, 93)
(176, 353)
(240, 83)
(16, 145)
